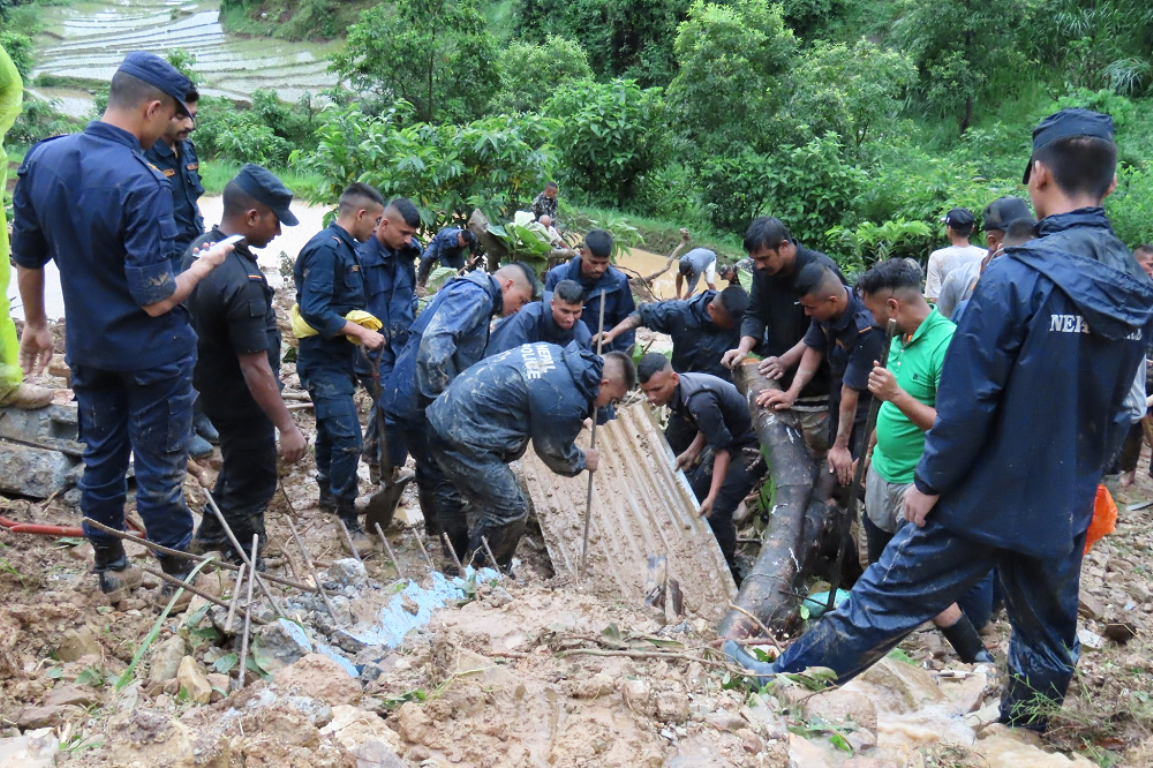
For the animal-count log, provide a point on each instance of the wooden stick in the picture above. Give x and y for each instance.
(235, 598)
(451, 551)
(348, 540)
(252, 571)
(488, 551)
(199, 593)
(592, 445)
(388, 549)
(189, 556)
(244, 637)
(299, 407)
(420, 541)
(312, 570)
(764, 629)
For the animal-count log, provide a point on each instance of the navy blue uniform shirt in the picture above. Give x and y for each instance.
(534, 322)
(698, 342)
(92, 203)
(446, 249)
(390, 283)
(716, 409)
(329, 285)
(618, 299)
(182, 169)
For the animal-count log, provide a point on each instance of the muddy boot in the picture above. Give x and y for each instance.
(427, 501)
(362, 542)
(198, 447)
(966, 642)
(327, 501)
(204, 427)
(117, 576)
(179, 568)
(374, 473)
(502, 540)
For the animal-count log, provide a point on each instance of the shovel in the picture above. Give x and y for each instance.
(382, 505)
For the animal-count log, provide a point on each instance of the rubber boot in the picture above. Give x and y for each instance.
(177, 567)
(966, 642)
(361, 541)
(765, 670)
(502, 540)
(427, 501)
(327, 502)
(117, 576)
(198, 447)
(203, 427)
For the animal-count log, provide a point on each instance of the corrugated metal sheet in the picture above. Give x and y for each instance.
(641, 506)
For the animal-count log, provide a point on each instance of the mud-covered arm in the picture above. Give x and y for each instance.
(554, 440)
(435, 359)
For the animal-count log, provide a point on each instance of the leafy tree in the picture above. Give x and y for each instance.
(734, 62)
(610, 135)
(1097, 44)
(435, 54)
(530, 73)
(19, 49)
(965, 52)
(630, 39)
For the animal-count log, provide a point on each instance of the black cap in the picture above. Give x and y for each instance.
(1066, 123)
(263, 187)
(160, 74)
(959, 218)
(1003, 211)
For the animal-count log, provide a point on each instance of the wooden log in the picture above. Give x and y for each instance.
(792, 540)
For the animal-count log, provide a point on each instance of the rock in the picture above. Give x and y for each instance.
(750, 741)
(73, 695)
(376, 754)
(348, 572)
(863, 762)
(839, 706)
(219, 685)
(636, 696)
(909, 687)
(673, 705)
(409, 605)
(320, 677)
(35, 749)
(79, 643)
(317, 712)
(967, 694)
(1090, 639)
(353, 727)
(499, 597)
(166, 657)
(280, 644)
(767, 720)
(31, 718)
(414, 725)
(1120, 631)
(194, 681)
(726, 721)
(35, 472)
(594, 687)
(1090, 607)
(346, 641)
(694, 675)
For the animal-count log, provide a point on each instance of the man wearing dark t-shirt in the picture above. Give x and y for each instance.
(775, 324)
(238, 360)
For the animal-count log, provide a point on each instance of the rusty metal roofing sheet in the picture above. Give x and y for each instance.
(641, 506)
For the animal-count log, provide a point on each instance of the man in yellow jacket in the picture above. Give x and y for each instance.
(12, 389)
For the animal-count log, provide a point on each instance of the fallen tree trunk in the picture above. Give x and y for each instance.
(798, 522)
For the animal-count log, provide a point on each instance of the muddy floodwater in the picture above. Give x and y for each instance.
(87, 40)
(292, 239)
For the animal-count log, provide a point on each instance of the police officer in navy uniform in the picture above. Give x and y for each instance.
(238, 362)
(175, 156)
(129, 343)
(555, 319)
(388, 260)
(601, 282)
(448, 248)
(329, 285)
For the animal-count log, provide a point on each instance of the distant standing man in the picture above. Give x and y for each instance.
(843, 333)
(130, 346)
(600, 281)
(486, 418)
(388, 260)
(720, 416)
(555, 319)
(997, 218)
(958, 226)
(13, 390)
(329, 285)
(697, 262)
(238, 361)
(1031, 408)
(545, 204)
(776, 324)
(448, 248)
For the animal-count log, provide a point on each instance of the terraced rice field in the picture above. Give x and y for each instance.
(88, 40)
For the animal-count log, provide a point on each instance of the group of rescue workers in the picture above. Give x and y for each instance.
(991, 440)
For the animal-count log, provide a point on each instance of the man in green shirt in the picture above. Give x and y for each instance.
(907, 387)
(12, 389)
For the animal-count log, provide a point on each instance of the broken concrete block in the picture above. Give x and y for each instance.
(194, 681)
(348, 572)
(35, 472)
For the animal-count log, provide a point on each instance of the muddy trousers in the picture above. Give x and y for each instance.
(337, 426)
(397, 450)
(923, 571)
(148, 415)
(745, 469)
(245, 485)
(484, 480)
(440, 503)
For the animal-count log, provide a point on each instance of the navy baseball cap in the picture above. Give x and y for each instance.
(263, 187)
(1003, 211)
(1066, 123)
(959, 218)
(160, 74)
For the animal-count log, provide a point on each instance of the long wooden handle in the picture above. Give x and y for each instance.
(589, 496)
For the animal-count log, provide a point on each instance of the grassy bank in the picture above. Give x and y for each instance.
(308, 187)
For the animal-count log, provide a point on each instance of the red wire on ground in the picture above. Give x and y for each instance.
(49, 530)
